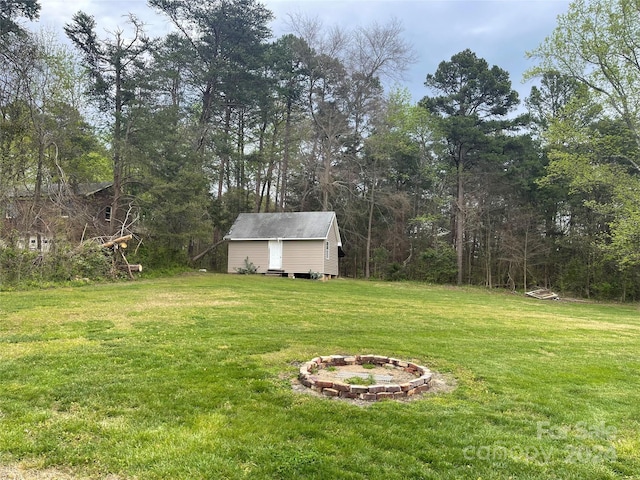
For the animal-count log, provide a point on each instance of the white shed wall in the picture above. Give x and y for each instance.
(330, 265)
(302, 256)
(298, 256)
(257, 251)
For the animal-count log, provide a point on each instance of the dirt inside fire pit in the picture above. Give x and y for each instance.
(378, 373)
(369, 378)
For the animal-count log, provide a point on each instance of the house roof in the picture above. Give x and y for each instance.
(83, 189)
(283, 226)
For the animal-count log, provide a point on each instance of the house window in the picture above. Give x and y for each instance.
(10, 212)
(107, 214)
(327, 249)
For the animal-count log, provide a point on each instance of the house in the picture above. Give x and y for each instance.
(62, 211)
(288, 244)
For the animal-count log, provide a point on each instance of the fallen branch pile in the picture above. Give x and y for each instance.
(118, 245)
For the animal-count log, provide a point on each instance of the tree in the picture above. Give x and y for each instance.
(115, 66)
(597, 43)
(344, 93)
(169, 181)
(47, 146)
(228, 39)
(17, 51)
(546, 102)
(16, 63)
(227, 43)
(471, 106)
(171, 188)
(595, 192)
(11, 10)
(288, 54)
(394, 171)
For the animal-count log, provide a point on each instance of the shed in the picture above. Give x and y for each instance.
(287, 244)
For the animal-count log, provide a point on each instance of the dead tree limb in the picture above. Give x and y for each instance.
(207, 250)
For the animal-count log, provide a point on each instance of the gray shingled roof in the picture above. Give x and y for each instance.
(286, 226)
(84, 189)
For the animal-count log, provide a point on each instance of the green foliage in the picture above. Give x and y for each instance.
(160, 260)
(432, 265)
(593, 136)
(438, 265)
(625, 227)
(16, 265)
(595, 42)
(471, 102)
(218, 118)
(88, 260)
(248, 269)
(62, 263)
(470, 88)
(314, 275)
(588, 161)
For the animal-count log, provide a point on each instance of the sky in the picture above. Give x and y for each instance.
(500, 31)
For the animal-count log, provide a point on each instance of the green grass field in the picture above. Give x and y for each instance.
(190, 378)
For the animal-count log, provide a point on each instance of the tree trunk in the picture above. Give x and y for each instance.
(224, 155)
(489, 278)
(367, 264)
(460, 223)
(326, 177)
(37, 197)
(285, 158)
(259, 188)
(526, 245)
(117, 144)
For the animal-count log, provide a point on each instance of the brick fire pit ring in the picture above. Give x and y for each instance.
(384, 389)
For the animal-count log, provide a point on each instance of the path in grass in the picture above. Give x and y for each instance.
(19, 473)
(190, 377)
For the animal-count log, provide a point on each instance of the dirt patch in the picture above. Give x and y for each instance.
(389, 374)
(8, 472)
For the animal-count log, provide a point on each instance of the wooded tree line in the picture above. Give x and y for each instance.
(218, 118)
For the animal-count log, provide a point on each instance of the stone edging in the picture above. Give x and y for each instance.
(364, 392)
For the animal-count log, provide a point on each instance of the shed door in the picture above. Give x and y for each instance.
(275, 255)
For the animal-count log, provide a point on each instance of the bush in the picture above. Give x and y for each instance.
(17, 265)
(248, 269)
(314, 275)
(90, 261)
(439, 266)
(62, 263)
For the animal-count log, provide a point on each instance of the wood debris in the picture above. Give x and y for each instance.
(118, 245)
(543, 294)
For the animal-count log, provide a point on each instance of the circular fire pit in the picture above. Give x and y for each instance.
(382, 377)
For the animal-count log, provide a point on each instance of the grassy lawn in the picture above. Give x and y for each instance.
(190, 378)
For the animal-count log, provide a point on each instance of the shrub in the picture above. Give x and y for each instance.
(439, 265)
(248, 269)
(62, 263)
(90, 260)
(17, 265)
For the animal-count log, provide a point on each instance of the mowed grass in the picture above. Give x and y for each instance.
(190, 378)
